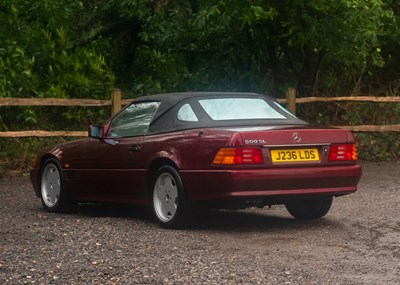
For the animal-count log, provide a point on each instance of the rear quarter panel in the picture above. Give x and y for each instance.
(191, 149)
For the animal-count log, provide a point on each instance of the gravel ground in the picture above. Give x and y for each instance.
(358, 242)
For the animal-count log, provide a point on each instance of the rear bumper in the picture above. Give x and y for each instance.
(258, 183)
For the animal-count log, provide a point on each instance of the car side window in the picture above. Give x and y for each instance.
(187, 114)
(133, 120)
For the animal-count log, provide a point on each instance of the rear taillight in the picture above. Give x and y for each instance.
(232, 156)
(340, 152)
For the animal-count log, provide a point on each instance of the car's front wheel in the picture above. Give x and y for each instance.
(169, 203)
(309, 209)
(55, 197)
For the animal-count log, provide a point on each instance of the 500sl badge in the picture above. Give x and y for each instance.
(255, 141)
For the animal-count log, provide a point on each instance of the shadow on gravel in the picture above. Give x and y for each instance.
(245, 221)
(114, 211)
(209, 220)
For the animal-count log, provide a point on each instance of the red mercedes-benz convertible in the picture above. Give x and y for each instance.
(175, 152)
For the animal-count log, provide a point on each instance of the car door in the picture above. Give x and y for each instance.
(122, 169)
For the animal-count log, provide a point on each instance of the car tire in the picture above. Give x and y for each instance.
(309, 209)
(169, 203)
(54, 195)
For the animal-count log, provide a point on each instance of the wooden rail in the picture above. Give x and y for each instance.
(59, 102)
(24, 134)
(372, 128)
(116, 103)
(388, 99)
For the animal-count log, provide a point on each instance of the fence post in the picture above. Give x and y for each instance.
(116, 101)
(291, 100)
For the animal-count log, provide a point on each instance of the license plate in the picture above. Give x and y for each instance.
(294, 155)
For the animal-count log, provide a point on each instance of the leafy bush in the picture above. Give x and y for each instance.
(379, 146)
(16, 154)
(81, 49)
(372, 146)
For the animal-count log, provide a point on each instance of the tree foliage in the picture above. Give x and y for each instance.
(266, 45)
(77, 48)
(82, 48)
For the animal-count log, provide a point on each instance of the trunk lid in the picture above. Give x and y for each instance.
(292, 145)
(294, 136)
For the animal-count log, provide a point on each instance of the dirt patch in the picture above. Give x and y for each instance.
(358, 242)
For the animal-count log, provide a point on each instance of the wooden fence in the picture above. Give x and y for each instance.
(116, 103)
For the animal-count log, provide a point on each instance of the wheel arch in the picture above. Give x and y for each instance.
(42, 162)
(157, 163)
(180, 217)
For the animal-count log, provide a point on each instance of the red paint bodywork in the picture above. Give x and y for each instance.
(106, 169)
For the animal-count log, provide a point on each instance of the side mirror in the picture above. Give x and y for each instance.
(95, 132)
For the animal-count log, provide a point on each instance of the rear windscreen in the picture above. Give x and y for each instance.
(239, 109)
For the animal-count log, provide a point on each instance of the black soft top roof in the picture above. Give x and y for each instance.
(169, 100)
(164, 121)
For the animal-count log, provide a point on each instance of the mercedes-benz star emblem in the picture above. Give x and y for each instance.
(296, 137)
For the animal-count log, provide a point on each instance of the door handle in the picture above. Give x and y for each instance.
(134, 148)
